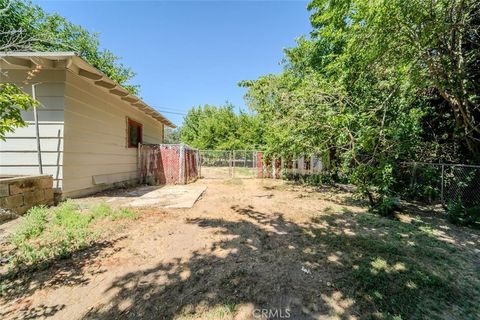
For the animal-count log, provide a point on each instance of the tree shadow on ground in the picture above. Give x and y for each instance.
(335, 194)
(342, 265)
(59, 272)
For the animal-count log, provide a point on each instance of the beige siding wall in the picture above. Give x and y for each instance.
(18, 154)
(96, 152)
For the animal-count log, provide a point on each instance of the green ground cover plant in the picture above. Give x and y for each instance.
(46, 234)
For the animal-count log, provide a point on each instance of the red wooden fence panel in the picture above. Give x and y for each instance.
(167, 164)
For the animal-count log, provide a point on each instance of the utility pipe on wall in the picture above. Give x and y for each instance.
(37, 131)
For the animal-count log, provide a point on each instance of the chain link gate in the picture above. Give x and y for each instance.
(225, 164)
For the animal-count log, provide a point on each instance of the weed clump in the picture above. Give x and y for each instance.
(46, 234)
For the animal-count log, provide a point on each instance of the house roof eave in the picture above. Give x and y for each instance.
(76, 64)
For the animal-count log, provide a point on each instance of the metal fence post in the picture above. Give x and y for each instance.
(230, 173)
(442, 198)
(254, 164)
(233, 164)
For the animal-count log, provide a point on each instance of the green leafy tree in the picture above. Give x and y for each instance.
(212, 127)
(362, 133)
(435, 44)
(171, 136)
(359, 91)
(12, 102)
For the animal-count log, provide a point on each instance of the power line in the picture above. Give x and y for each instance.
(179, 113)
(164, 107)
(169, 110)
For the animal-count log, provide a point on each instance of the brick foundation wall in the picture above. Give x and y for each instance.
(20, 193)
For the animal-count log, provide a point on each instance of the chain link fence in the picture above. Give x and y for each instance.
(440, 183)
(426, 182)
(227, 164)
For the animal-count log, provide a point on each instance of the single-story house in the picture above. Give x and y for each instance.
(88, 126)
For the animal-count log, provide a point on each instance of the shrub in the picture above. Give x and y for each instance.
(386, 206)
(457, 213)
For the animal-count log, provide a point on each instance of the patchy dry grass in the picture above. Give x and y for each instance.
(395, 269)
(47, 234)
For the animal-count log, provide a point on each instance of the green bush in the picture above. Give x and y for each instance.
(386, 206)
(457, 213)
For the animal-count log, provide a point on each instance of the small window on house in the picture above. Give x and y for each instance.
(134, 133)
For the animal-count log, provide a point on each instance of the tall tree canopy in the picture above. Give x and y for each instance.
(220, 128)
(26, 27)
(433, 44)
(379, 82)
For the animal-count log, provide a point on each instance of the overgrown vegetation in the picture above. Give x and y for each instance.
(378, 83)
(459, 214)
(47, 234)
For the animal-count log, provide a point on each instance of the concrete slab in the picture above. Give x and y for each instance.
(180, 196)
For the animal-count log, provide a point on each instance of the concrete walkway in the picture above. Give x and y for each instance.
(170, 196)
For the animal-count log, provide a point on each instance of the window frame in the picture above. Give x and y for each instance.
(133, 123)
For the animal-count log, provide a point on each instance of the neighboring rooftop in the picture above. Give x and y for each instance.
(76, 64)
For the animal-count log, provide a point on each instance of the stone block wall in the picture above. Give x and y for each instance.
(20, 193)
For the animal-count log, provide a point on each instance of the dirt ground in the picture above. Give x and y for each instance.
(245, 247)
(228, 172)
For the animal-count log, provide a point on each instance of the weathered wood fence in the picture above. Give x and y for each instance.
(167, 164)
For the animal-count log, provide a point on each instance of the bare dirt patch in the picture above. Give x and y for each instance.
(253, 245)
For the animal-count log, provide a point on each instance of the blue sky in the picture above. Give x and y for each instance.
(188, 53)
